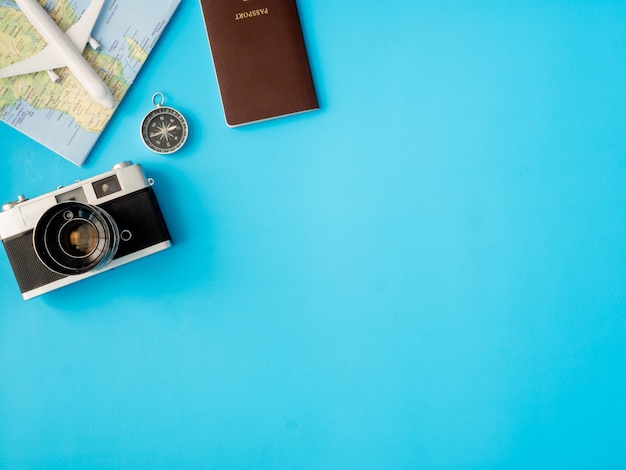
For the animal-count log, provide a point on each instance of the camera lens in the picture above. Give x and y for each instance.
(78, 238)
(74, 238)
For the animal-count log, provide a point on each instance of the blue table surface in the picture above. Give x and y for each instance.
(428, 272)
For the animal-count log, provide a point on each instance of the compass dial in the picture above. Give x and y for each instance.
(164, 130)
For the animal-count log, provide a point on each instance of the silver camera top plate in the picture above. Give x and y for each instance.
(23, 214)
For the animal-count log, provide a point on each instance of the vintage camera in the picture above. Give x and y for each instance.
(83, 229)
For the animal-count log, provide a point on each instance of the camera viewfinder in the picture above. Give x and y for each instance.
(107, 186)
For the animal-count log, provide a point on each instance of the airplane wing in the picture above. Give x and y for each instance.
(80, 32)
(47, 59)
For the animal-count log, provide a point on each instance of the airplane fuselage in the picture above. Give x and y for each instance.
(65, 49)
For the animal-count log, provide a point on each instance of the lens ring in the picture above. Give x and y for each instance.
(75, 238)
(79, 238)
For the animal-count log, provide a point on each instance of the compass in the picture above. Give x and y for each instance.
(164, 129)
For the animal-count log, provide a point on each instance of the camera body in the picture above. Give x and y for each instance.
(83, 229)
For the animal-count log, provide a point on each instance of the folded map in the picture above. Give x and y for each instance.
(62, 116)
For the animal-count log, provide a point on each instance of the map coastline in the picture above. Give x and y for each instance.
(62, 116)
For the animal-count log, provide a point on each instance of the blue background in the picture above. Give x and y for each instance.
(429, 272)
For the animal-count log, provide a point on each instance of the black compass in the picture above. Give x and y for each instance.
(164, 129)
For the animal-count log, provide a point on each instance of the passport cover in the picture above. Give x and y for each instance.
(260, 59)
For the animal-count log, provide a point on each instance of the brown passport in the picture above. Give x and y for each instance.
(260, 59)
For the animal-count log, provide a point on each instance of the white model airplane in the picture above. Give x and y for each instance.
(63, 49)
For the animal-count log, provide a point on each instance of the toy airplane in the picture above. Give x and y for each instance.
(63, 49)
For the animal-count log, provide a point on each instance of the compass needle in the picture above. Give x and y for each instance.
(164, 129)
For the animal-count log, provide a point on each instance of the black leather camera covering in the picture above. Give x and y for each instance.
(137, 212)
